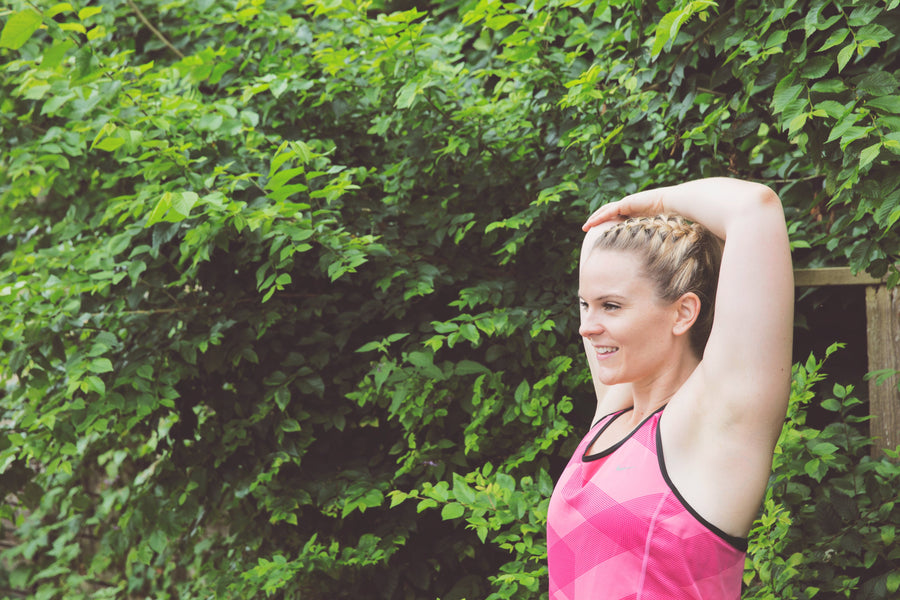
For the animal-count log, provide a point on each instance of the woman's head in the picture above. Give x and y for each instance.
(678, 256)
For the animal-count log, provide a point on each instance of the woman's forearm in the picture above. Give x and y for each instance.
(718, 203)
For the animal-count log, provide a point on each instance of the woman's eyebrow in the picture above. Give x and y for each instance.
(601, 297)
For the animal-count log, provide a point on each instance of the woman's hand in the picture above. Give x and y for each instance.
(642, 204)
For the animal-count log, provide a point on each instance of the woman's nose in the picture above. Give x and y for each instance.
(589, 326)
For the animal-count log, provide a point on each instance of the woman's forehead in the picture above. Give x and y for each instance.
(605, 272)
(591, 237)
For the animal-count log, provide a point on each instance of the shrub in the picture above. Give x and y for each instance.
(288, 286)
(830, 516)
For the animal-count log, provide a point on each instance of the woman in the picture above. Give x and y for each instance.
(658, 499)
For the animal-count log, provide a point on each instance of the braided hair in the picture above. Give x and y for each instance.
(678, 256)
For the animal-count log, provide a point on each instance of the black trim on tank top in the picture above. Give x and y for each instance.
(738, 543)
(589, 457)
(614, 415)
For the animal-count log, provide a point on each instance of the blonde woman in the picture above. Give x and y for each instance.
(689, 347)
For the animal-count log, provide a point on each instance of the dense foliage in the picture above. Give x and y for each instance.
(829, 520)
(288, 286)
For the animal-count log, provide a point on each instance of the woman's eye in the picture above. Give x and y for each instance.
(609, 306)
(582, 304)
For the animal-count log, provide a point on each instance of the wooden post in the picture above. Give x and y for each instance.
(832, 276)
(883, 331)
(883, 347)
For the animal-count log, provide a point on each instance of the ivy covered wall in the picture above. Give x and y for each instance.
(288, 287)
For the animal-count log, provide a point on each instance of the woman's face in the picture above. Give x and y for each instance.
(628, 327)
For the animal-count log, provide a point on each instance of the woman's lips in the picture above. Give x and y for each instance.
(605, 351)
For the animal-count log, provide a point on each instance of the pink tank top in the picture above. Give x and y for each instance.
(618, 529)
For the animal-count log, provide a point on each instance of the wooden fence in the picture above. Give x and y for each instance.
(883, 346)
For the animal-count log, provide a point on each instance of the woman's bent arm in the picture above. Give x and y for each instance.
(746, 365)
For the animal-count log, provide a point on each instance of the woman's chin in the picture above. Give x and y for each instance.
(609, 379)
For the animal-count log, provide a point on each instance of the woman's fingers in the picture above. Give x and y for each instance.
(648, 202)
(608, 212)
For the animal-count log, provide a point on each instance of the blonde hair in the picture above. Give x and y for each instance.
(678, 256)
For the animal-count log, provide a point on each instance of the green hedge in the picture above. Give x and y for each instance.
(288, 287)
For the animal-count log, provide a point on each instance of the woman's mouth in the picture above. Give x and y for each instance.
(605, 351)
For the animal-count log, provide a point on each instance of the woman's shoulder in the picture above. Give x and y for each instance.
(615, 399)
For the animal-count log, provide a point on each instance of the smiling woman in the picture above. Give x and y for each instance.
(660, 494)
(667, 259)
(621, 318)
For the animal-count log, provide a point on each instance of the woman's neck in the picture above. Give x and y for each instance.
(653, 393)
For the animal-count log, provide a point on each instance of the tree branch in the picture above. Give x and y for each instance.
(155, 31)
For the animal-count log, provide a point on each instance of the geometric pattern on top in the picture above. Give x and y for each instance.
(618, 529)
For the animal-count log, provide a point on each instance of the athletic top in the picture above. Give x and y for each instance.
(618, 529)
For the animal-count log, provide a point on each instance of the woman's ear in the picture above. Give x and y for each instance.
(687, 309)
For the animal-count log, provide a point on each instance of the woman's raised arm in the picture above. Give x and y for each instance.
(745, 370)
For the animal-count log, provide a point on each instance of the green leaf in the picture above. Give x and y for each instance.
(522, 392)
(210, 121)
(290, 425)
(500, 21)
(829, 86)
(280, 179)
(94, 384)
(885, 211)
(54, 54)
(420, 359)
(811, 19)
(397, 497)
(76, 27)
(369, 346)
(852, 134)
(407, 95)
(893, 581)
(100, 365)
(482, 532)
(823, 448)
(278, 87)
(797, 123)
(157, 541)
(282, 397)
(160, 210)
(143, 553)
(813, 468)
(462, 491)
(873, 32)
(845, 55)
(469, 367)
(816, 67)
(888, 533)
(879, 83)
(784, 93)
(869, 154)
(19, 29)
(833, 109)
(183, 202)
(835, 39)
(452, 510)
(110, 144)
(58, 9)
(88, 12)
(863, 15)
(664, 32)
(889, 104)
(831, 404)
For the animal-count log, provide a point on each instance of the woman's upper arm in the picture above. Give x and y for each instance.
(747, 361)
